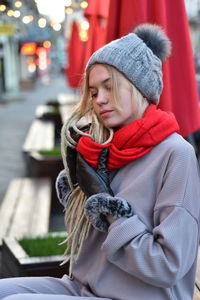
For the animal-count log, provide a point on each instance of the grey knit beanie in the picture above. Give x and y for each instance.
(139, 57)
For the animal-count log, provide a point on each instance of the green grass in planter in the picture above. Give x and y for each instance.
(54, 152)
(43, 246)
(52, 110)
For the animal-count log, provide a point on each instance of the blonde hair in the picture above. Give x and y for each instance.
(77, 224)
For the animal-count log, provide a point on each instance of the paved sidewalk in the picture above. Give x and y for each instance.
(16, 115)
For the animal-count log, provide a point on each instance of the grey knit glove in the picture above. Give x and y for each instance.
(62, 187)
(99, 205)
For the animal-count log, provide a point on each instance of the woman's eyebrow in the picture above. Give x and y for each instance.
(104, 81)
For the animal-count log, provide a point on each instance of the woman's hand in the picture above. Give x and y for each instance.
(111, 219)
(93, 181)
(63, 189)
(103, 209)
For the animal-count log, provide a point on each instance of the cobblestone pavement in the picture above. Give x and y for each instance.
(16, 114)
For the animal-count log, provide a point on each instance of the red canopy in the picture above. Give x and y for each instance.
(75, 52)
(180, 93)
(97, 14)
(79, 52)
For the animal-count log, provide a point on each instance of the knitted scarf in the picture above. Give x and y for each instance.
(133, 140)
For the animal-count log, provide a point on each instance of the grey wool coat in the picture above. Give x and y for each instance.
(151, 255)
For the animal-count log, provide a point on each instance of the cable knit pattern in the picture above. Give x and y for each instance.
(131, 53)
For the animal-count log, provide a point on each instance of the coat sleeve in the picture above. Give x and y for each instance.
(165, 254)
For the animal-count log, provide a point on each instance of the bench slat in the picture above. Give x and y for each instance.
(42, 205)
(41, 136)
(66, 111)
(20, 223)
(198, 270)
(8, 205)
(25, 209)
(196, 294)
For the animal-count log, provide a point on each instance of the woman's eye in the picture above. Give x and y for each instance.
(93, 95)
(108, 88)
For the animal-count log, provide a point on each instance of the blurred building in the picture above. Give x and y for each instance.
(193, 12)
(8, 50)
(31, 44)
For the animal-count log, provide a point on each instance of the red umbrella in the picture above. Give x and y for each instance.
(97, 14)
(180, 93)
(75, 51)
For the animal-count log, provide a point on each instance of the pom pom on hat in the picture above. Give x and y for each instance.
(154, 37)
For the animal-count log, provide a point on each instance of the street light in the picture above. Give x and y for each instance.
(84, 4)
(57, 26)
(42, 22)
(10, 13)
(68, 3)
(2, 7)
(27, 19)
(18, 4)
(16, 13)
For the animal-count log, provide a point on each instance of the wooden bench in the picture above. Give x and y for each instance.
(41, 136)
(43, 109)
(68, 99)
(25, 209)
(65, 111)
(196, 294)
(67, 104)
(197, 284)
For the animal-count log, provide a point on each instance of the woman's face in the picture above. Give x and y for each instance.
(100, 87)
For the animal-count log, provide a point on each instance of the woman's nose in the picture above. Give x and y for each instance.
(101, 98)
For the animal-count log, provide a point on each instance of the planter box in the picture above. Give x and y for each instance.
(45, 166)
(53, 102)
(16, 262)
(50, 113)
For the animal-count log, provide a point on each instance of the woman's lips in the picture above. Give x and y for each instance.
(105, 113)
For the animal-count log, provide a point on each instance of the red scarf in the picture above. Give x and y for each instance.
(133, 140)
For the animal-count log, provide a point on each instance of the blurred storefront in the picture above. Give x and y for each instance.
(12, 30)
(9, 67)
(32, 44)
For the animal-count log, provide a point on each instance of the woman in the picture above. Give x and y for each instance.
(130, 185)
